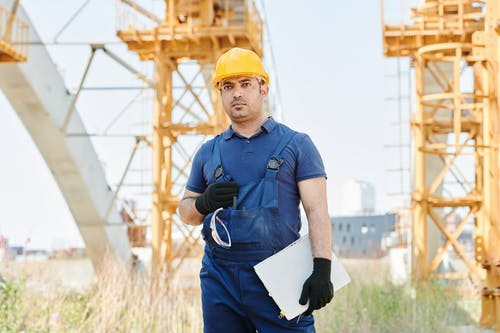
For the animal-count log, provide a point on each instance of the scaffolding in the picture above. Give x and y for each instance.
(403, 170)
(455, 129)
(13, 36)
(190, 31)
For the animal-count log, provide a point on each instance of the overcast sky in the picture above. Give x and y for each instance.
(333, 78)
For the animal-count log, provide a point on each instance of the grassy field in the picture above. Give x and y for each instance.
(38, 298)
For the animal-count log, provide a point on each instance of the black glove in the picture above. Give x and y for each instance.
(318, 288)
(216, 195)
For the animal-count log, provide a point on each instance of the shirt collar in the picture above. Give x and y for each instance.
(268, 126)
(228, 133)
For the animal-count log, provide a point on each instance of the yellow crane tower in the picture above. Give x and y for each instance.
(194, 30)
(13, 35)
(451, 124)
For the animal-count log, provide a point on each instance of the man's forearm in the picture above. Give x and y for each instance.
(188, 212)
(320, 233)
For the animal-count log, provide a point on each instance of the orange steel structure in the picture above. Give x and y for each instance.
(451, 124)
(13, 36)
(190, 30)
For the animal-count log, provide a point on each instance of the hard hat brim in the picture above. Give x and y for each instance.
(218, 79)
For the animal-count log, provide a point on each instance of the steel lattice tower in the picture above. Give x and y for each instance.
(454, 127)
(13, 36)
(191, 30)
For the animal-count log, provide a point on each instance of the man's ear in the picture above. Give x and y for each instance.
(264, 89)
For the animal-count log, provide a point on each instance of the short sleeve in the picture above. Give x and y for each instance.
(196, 181)
(309, 162)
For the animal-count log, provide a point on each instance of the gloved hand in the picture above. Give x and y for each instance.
(318, 288)
(216, 195)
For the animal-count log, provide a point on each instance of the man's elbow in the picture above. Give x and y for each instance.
(187, 213)
(185, 217)
(190, 220)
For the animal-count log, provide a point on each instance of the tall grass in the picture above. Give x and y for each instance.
(120, 301)
(385, 307)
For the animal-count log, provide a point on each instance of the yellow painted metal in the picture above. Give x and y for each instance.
(238, 61)
(13, 36)
(450, 124)
(194, 30)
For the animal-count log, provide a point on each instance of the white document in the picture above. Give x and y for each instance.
(285, 272)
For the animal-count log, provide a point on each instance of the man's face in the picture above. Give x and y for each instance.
(243, 97)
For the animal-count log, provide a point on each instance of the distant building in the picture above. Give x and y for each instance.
(68, 253)
(16, 250)
(400, 235)
(4, 248)
(358, 198)
(361, 236)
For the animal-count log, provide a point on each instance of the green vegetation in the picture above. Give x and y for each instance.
(385, 307)
(119, 302)
(10, 306)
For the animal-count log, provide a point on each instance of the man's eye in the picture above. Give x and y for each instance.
(226, 87)
(245, 84)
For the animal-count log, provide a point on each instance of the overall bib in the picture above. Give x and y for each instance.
(233, 298)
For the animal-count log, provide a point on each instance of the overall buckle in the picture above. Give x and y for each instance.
(274, 163)
(218, 172)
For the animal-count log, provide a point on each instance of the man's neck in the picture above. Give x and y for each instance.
(247, 129)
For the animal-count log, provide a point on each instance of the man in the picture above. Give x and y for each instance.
(245, 187)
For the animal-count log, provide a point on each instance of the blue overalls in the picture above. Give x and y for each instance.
(233, 298)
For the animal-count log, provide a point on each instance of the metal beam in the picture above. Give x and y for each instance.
(75, 98)
(143, 11)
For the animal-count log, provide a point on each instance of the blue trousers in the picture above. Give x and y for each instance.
(235, 300)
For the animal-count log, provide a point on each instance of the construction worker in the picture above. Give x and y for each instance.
(245, 187)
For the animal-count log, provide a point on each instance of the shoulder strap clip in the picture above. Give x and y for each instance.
(274, 164)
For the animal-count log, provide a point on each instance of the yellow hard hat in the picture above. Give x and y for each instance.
(238, 61)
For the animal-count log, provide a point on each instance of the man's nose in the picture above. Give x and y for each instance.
(237, 92)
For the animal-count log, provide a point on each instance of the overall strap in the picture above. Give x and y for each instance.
(284, 142)
(269, 198)
(218, 172)
(275, 159)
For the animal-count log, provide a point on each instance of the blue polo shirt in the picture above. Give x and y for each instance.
(245, 159)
